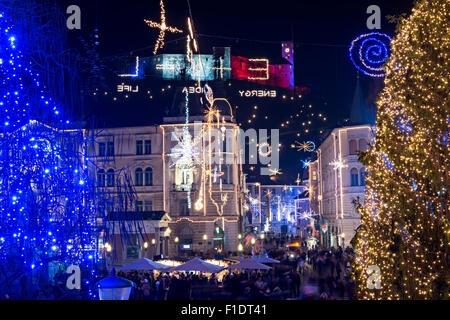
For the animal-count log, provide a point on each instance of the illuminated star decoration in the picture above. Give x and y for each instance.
(307, 215)
(298, 181)
(188, 148)
(338, 164)
(369, 52)
(306, 163)
(308, 146)
(274, 172)
(162, 27)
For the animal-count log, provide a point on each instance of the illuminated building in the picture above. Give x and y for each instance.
(337, 178)
(274, 208)
(220, 65)
(175, 200)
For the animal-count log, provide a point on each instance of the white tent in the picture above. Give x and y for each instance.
(249, 264)
(264, 259)
(144, 264)
(197, 264)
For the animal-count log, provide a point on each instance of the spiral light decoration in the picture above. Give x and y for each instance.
(369, 52)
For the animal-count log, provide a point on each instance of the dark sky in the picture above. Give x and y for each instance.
(322, 31)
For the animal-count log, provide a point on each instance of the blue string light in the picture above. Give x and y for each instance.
(369, 52)
(48, 208)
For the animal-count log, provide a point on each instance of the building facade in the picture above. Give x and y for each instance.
(144, 170)
(337, 180)
(275, 209)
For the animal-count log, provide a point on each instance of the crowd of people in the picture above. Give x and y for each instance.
(315, 274)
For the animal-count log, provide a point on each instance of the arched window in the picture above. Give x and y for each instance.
(353, 147)
(354, 177)
(226, 177)
(362, 174)
(138, 177)
(363, 145)
(110, 178)
(101, 178)
(149, 177)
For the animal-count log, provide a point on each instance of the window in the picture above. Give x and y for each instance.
(139, 147)
(183, 175)
(110, 150)
(149, 177)
(101, 149)
(354, 177)
(138, 177)
(109, 207)
(110, 178)
(101, 178)
(227, 174)
(148, 205)
(353, 147)
(148, 146)
(362, 174)
(139, 206)
(363, 145)
(184, 208)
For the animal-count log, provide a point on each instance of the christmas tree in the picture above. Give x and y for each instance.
(403, 242)
(48, 209)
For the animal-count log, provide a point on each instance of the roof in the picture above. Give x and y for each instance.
(249, 264)
(360, 112)
(197, 264)
(134, 215)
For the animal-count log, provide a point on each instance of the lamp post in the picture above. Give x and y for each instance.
(146, 249)
(114, 288)
(205, 239)
(176, 240)
(240, 249)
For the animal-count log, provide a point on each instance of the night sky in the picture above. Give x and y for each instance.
(322, 31)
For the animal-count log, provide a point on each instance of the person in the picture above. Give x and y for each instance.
(146, 289)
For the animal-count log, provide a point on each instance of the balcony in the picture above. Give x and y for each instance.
(184, 187)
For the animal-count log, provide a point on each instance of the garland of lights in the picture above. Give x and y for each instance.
(405, 227)
(48, 208)
(163, 28)
(369, 52)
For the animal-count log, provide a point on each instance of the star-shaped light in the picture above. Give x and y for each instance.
(338, 164)
(298, 181)
(308, 146)
(163, 27)
(274, 172)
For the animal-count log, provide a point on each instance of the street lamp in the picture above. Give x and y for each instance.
(114, 288)
(239, 236)
(205, 238)
(240, 247)
(176, 240)
(253, 241)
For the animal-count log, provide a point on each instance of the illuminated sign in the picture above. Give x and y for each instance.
(258, 93)
(264, 70)
(197, 90)
(136, 70)
(127, 88)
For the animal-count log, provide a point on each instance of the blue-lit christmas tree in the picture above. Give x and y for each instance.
(48, 209)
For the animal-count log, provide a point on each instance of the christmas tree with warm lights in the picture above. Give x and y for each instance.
(405, 230)
(48, 209)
